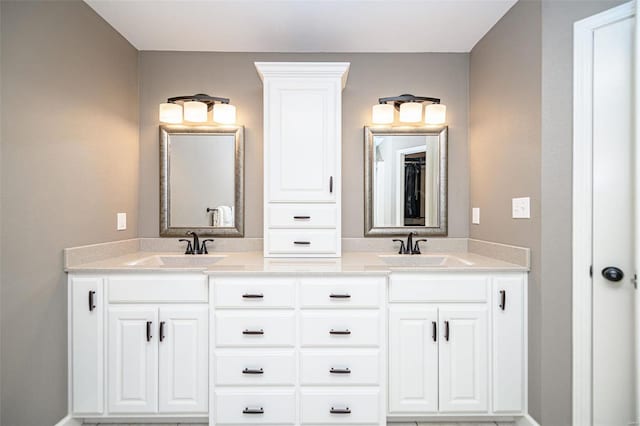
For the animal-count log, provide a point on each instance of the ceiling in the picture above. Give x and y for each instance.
(303, 25)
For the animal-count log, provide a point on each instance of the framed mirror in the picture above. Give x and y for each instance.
(405, 181)
(201, 180)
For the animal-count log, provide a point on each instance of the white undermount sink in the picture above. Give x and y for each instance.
(422, 260)
(178, 260)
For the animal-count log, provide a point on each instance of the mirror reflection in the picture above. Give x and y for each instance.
(406, 180)
(201, 180)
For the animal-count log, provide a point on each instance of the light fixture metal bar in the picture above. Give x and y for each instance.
(399, 100)
(199, 97)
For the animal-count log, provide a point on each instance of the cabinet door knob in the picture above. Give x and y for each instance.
(149, 336)
(503, 299)
(92, 304)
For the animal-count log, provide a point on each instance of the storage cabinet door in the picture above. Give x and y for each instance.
(303, 135)
(508, 343)
(133, 359)
(183, 342)
(413, 359)
(87, 342)
(463, 359)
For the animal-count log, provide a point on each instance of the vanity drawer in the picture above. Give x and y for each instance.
(166, 288)
(245, 328)
(439, 288)
(311, 241)
(354, 367)
(338, 329)
(255, 369)
(303, 216)
(349, 407)
(346, 292)
(275, 407)
(254, 293)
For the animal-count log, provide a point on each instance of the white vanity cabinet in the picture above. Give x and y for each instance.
(302, 160)
(457, 344)
(139, 345)
(298, 350)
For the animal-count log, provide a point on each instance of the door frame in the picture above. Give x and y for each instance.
(582, 319)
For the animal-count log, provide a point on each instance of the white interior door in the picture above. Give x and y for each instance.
(133, 360)
(613, 237)
(183, 340)
(464, 365)
(413, 359)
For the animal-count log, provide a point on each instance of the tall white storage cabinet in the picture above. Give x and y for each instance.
(302, 157)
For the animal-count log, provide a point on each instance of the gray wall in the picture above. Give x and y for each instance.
(69, 163)
(233, 75)
(557, 133)
(504, 149)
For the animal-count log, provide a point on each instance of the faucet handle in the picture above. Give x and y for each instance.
(403, 248)
(189, 249)
(416, 248)
(204, 245)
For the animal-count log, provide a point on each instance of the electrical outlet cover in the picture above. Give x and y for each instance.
(475, 216)
(521, 208)
(122, 221)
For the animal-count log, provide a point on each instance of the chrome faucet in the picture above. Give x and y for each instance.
(409, 247)
(195, 247)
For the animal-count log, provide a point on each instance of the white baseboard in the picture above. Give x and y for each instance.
(69, 421)
(526, 421)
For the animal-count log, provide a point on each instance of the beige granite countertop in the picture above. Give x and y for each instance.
(253, 262)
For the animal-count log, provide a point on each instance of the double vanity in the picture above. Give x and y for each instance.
(301, 327)
(236, 338)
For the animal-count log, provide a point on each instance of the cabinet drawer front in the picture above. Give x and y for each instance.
(255, 329)
(255, 408)
(358, 407)
(158, 289)
(338, 329)
(255, 369)
(311, 241)
(354, 367)
(439, 288)
(303, 216)
(254, 293)
(341, 292)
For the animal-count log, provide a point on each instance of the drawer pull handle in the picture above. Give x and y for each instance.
(253, 296)
(340, 332)
(345, 410)
(340, 371)
(149, 336)
(340, 296)
(446, 331)
(161, 331)
(302, 217)
(92, 304)
(249, 410)
(253, 371)
(302, 243)
(253, 332)
(503, 299)
(434, 334)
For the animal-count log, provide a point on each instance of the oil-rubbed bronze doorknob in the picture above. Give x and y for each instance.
(612, 273)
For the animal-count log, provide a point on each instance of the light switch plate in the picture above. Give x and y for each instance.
(521, 208)
(122, 222)
(475, 215)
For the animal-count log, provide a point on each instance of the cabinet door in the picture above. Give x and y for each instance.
(87, 342)
(508, 343)
(413, 359)
(463, 359)
(133, 359)
(303, 138)
(183, 374)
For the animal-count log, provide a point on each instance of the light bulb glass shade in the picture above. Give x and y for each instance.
(195, 111)
(435, 114)
(224, 113)
(411, 112)
(170, 113)
(382, 114)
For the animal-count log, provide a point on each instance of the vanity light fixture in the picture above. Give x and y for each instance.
(195, 109)
(410, 108)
